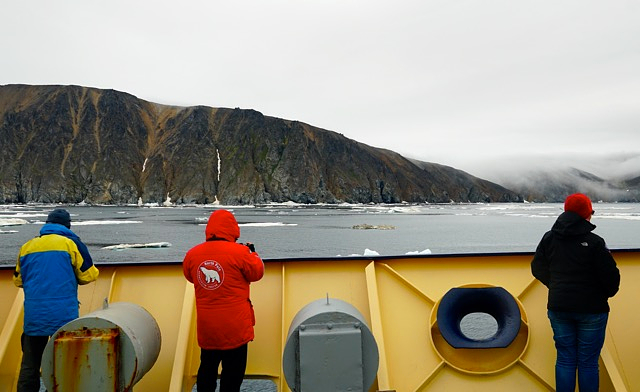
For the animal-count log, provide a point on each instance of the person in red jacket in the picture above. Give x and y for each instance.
(221, 271)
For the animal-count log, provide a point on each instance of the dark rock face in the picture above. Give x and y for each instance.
(72, 144)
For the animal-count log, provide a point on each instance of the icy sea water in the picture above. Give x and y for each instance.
(131, 233)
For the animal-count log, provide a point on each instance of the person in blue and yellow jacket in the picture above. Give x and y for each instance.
(49, 269)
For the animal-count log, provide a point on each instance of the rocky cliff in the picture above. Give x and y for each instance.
(72, 144)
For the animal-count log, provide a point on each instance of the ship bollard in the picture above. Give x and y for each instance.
(330, 348)
(494, 301)
(104, 351)
(493, 352)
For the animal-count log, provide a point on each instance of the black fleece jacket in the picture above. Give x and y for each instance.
(576, 266)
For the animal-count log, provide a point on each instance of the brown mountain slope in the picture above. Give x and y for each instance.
(73, 144)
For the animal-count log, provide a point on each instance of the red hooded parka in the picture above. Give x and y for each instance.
(221, 271)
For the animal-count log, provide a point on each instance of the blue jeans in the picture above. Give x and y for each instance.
(579, 338)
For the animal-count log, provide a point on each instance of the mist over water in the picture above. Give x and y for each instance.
(137, 234)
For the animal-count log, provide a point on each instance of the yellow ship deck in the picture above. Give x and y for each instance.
(398, 296)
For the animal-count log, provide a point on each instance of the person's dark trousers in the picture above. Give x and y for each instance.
(32, 349)
(234, 364)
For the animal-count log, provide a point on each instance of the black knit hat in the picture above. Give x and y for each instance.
(60, 216)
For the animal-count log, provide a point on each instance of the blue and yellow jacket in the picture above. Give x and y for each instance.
(49, 269)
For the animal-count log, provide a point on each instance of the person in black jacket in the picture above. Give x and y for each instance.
(581, 275)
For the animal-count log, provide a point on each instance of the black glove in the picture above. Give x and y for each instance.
(250, 246)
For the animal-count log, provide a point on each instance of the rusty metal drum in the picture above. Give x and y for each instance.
(103, 351)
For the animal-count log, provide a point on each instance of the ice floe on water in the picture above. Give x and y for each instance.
(369, 252)
(204, 219)
(13, 221)
(266, 224)
(619, 216)
(133, 246)
(22, 214)
(365, 226)
(103, 222)
(422, 252)
(532, 216)
(91, 222)
(386, 209)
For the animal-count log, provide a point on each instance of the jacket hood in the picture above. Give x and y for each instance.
(571, 224)
(222, 225)
(56, 228)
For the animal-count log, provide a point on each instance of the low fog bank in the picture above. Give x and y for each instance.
(546, 178)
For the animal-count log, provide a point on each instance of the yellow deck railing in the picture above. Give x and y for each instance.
(398, 296)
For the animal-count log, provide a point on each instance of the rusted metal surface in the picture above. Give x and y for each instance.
(115, 346)
(86, 360)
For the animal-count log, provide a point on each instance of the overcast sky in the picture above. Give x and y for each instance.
(460, 83)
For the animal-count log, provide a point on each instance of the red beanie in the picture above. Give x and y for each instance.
(580, 204)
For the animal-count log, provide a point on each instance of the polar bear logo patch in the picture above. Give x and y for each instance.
(210, 275)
